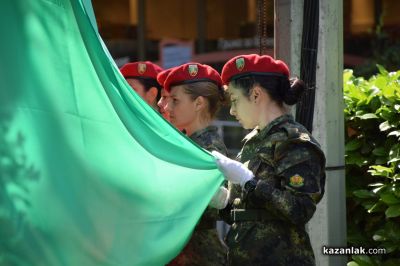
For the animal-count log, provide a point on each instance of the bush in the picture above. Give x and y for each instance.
(372, 117)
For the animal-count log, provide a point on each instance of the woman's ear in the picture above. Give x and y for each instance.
(255, 94)
(200, 103)
(151, 95)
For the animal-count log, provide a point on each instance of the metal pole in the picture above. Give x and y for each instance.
(328, 226)
(288, 25)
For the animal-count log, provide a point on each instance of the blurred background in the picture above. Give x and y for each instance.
(173, 32)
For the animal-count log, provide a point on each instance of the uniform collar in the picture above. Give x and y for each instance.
(260, 134)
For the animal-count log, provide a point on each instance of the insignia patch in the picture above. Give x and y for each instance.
(296, 181)
(193, 70)
(239, 63)
(141, 68)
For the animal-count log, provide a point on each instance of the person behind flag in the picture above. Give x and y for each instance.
(196, 94)
(280, 173)
(142, 77)
(163, 101)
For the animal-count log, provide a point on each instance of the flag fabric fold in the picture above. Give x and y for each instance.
(89, 173)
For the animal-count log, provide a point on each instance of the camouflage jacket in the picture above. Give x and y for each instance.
(204, 247)
(289, 169)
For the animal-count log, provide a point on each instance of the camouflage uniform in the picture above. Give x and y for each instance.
(269, 214)
(204, 248)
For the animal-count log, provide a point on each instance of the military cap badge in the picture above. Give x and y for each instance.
(141, 68)
(193, 69)
(296, 181)
(239, 63)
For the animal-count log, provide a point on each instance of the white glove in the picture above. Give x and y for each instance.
(233, 171)
(220, 198)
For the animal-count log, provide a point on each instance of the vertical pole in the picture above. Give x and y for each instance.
(141, 29)
(288, 32)
(328, 226)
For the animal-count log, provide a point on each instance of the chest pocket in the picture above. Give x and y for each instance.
(262, 164)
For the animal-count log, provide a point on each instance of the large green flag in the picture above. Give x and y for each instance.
(89, 173)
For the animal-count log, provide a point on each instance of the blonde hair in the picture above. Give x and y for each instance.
(215, 95)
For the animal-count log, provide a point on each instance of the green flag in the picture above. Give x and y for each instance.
(89, 173)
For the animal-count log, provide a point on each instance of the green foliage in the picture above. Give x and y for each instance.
(372, 116)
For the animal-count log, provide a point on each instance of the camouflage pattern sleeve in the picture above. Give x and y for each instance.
(296, 190)
(209, 139)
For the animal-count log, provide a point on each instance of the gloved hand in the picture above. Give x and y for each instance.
(233, 171)
(220, 199)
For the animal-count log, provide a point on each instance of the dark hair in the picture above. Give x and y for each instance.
(280, 89)
(148, 83)
(214, 94)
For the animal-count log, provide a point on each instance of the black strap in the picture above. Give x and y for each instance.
(256, 215)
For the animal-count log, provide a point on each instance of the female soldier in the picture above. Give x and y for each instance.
(162, 103)
(195, 96)
(281, 176)
(142, 77)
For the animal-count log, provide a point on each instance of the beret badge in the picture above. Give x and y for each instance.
(141, 68)
(193, 69)
(239, 63)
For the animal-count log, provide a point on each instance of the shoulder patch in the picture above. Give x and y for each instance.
(296, 181)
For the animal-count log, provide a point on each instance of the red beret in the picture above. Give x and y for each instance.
(140, 70)
(191, 73)
(244, 65)
(162, 76)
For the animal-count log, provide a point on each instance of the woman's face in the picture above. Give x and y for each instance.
(242, 108)
(163, 102)
(181, 108)
(141, 91)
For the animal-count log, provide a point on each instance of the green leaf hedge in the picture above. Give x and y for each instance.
(372, 117)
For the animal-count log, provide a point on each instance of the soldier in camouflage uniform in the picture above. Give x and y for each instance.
(195, 95)
(281, 174)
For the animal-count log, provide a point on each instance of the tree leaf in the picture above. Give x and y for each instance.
(353, 145)
(384, 126)
(382, 70)
(388, 91)
(379, 151)
(379, 170)
(364, 194)
(347, 74)
(393, 211)
(363, 260)
(368, 116)
(395, 133)
(389, 198)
